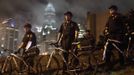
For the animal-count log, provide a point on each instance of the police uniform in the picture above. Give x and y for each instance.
(68, 31)
(130, 24)
(29, 36)
(115, 29)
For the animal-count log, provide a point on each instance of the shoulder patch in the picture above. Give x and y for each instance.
(30, 35)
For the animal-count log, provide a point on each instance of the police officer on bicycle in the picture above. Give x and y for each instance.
(68, 33)
(115, 29)
(28, 41)
(130, 24)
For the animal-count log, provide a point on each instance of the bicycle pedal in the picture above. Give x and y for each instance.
(72, 70)
(3, 71)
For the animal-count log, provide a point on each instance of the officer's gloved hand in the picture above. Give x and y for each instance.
(57, 44)
(18, 51)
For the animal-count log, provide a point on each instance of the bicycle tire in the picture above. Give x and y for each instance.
(88, 63)
(39, 69)
(53, 68)
(38, 66)
(8, 68)
(71, 65)
(26, 69)
(21, 67)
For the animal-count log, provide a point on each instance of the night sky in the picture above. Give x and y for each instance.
(34, 9)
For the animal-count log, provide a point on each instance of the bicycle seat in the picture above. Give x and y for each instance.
(75, 43)
(86, 47)
(49, 41)
(12, 54)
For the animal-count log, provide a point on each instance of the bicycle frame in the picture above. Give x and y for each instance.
(116, 47)
(13, 57)
(60, 51)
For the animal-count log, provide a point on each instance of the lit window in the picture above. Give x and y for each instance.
(2, 38)
(2, 45)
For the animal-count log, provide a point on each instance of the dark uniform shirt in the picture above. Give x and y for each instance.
(130, 22)
(68, 31)
(116, 27)
(29, 36)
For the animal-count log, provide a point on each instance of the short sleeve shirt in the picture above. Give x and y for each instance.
(29, 36)
(68, 30)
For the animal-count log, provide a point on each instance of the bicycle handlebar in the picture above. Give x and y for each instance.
(54, 44)
(5, 49)
(57, 47)
(112, 40)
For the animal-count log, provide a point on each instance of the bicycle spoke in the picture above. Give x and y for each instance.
(53, 65)
(88, 63)
(7, 69)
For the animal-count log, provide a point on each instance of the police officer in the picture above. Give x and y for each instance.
(68, 33)
(115, 29)
(130, 24)
(89, 40)
(28, 41)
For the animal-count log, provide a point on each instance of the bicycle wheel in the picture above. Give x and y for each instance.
(87, 63)
(53, 67)
(7, 68)
(73, 64)
(21, 67)
(39, 69)
(38, 66)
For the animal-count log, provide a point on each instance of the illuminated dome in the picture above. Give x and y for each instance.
(50, 10)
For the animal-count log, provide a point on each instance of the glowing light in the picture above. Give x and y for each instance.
(15, 39)
(2, 38)
(48, 32)
(50, 7)
(45, 26)
(54, 28)
(78, 24)
(45, 53)
(6, 21)
(2, 45)
(39, 29)
(43, 33)
(12, 25)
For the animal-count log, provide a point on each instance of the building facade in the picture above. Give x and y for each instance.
(8, 36)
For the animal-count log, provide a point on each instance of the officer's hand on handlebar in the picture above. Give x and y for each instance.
(55, 44)
(18, 51)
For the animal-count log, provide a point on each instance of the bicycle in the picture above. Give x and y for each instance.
(88, 58)
(114, 57)
(83, 61)
(129, 51)
(12, 63)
